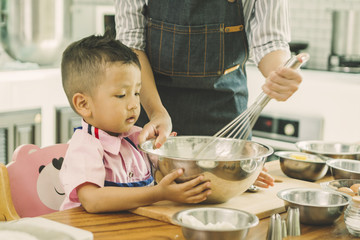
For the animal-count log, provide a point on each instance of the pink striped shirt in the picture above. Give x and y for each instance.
(100, 157)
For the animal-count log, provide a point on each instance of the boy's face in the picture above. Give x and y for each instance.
(115, 104)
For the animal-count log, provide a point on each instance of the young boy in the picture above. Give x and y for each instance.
(103, 170)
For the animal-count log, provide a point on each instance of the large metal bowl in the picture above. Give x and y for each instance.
(316, 206)
(312, 168)
(213, 223)
(344, 168)
(232, 165)
(330, 149)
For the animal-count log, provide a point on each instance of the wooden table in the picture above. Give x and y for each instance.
(129, 226)
(126, 225)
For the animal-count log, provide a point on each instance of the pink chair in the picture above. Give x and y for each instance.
(34, 179)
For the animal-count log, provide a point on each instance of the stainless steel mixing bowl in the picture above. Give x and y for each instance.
(213, 221)
(330, 149)
(312, 168)
(344, 168)
(316, 206)
(336, 185)
(231, 165)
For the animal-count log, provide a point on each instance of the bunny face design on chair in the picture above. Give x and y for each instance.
(34, 179)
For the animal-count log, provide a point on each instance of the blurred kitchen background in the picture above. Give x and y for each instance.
(312, 23)
(34, 109)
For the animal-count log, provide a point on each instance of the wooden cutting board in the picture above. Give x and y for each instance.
(263, 203)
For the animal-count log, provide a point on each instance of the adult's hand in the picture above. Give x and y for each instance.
(160, 125)
(159, 128)
(280, 82)
(264, 179)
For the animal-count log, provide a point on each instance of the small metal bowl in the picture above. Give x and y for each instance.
(335, 185)
(302, 166)
(215, 223)
(330, 149)
(344, 168)
(316, 206)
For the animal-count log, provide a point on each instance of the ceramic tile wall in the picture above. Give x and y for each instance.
(310, 21)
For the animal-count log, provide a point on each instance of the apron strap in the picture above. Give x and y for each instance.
(130, 184)
(131, 142)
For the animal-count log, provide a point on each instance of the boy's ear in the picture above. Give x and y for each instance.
(81, 104)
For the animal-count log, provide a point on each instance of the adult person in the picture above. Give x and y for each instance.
(193, 55)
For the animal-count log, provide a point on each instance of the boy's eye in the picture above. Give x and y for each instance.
(137, 94)
(120, 96)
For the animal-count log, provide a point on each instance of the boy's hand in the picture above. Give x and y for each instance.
(192, 191)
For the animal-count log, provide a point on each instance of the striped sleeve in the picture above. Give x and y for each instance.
(267, 26)
(130, 23)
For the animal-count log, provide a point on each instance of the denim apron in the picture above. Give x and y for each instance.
(197, 50)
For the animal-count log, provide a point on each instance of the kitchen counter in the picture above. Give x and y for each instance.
(126, 225)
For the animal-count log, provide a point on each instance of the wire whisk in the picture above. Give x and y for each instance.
(242, 125)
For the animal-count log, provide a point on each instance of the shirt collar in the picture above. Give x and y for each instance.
(111, 144)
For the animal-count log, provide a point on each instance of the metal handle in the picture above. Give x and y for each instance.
(295, 62)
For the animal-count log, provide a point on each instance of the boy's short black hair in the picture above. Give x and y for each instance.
(84, 62)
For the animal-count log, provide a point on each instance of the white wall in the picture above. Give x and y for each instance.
(334, 96)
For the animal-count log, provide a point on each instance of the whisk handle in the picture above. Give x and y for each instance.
(295, 62)
(262, 99)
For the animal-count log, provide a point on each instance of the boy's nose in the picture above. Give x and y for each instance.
(133, 104)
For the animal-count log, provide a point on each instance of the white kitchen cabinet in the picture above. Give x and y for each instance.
(17, 128)
(34, 89)
(66, 121)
